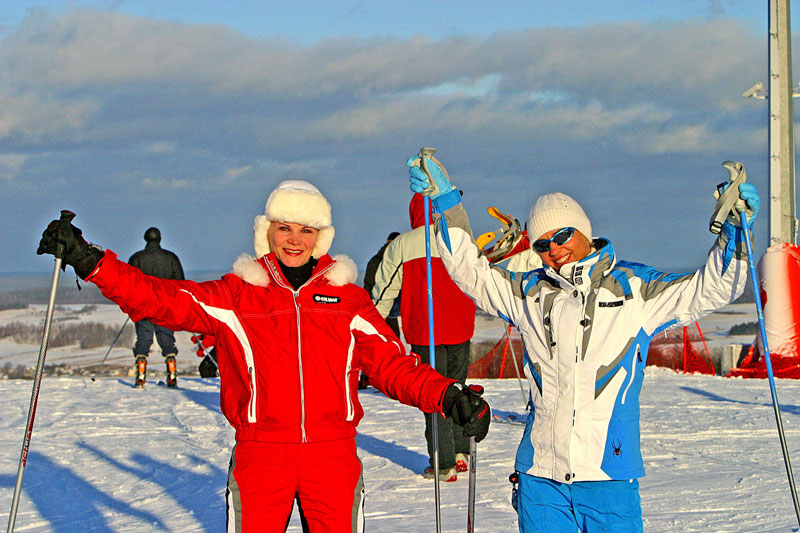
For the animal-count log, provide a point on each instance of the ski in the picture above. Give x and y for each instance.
(512, 419)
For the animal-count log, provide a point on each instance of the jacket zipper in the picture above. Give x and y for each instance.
(295, 294)
(300, 365)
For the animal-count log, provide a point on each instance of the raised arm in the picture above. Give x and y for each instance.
(493, 288)
(672, 300)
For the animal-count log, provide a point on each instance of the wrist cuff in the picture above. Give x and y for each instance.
(445, 201)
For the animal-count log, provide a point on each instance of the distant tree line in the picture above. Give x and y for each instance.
(747, 328)
(84, 334)
(20, 299)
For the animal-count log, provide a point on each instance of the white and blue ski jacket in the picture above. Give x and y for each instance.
(586, 332)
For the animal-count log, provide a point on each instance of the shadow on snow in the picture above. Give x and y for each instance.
(791, 409)
(70, 503)
(207, 486)
(414, 461)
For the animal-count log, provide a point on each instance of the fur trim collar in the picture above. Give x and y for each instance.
(250, 270)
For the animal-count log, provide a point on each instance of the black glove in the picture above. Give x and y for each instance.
(64, 240)
(467, 409)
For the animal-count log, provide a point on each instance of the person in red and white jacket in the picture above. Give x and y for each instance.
(403, 267)
(294, 332)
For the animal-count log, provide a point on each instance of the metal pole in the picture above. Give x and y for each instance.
(516, 367)
(768, 361)
(110, 347)
(432, 354)
(473, 458)
(37, 380)
(782, 211)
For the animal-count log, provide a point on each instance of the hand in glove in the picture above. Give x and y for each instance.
(467, 409)
(64, 240)
(749, 201)
(419, 180)
(749, 193)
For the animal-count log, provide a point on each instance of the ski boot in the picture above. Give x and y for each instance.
(141, 371)
(448, 475)
(462, 462)
(172, 371)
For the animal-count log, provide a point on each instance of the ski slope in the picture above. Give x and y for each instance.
(106, 457)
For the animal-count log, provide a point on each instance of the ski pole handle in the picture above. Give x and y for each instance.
(67, 216)
(423, 153)
(65, 221)
(728, 201)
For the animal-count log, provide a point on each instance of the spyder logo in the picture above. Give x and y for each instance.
(617, 445)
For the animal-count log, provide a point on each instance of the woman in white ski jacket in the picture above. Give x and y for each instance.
(586, 319)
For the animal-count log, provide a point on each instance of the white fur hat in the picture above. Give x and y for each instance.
(556, 211)
(299, 202)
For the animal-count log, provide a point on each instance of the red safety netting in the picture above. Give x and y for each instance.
(779, 288)
(498, 362)
(784, 365)
(682, 349)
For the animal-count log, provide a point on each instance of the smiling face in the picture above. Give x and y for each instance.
(574, 249)
(292, 243)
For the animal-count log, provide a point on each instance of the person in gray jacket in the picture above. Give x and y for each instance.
(161, 263)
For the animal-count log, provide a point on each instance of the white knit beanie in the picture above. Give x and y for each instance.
(556, 211)
(299, 202)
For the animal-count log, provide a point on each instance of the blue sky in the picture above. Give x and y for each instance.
(185, 115)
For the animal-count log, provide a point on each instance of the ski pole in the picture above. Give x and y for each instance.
(110, 347)
(516, 367)
(423, 153)
(212, 360)
(473, 456)
(66, 218)
(768, 360)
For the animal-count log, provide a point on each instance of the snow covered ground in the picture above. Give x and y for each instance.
(107, 457)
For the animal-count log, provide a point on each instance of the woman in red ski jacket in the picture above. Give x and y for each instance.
(294, 331)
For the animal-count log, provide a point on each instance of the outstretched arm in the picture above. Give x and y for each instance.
(404, 378)
(178, 305)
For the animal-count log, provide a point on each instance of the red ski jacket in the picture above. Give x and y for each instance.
(289, 360)
(403, 268)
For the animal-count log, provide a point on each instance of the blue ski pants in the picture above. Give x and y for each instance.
(588, 506)
(144, 339)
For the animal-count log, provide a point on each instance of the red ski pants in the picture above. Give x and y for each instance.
(265, 478)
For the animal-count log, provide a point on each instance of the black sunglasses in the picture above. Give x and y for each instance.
(560, 238)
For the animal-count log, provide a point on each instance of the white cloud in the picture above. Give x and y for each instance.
(111, 103)
(155, 183)
(233, 173)
(33, 118)
(11, 165)
(162, 148)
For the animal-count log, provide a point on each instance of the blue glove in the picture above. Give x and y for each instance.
(749, 193)
(419, 180)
